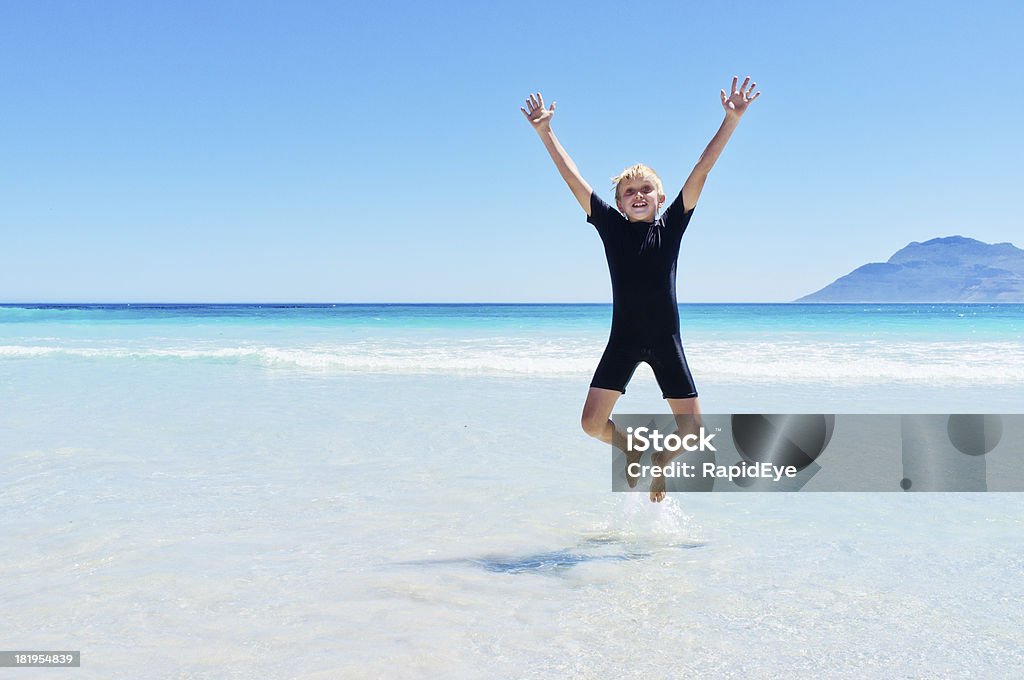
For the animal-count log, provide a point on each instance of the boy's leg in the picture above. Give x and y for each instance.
(687, 416)
(597, 423)
(685, 407)
(596, 413)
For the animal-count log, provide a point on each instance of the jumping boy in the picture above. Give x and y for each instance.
(641, 249)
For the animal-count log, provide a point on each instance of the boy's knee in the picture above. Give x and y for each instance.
(592, 425)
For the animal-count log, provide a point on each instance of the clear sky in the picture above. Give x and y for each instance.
(358, 152)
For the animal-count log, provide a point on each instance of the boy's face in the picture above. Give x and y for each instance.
(638, 199)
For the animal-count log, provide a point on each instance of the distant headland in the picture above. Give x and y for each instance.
(950, 269)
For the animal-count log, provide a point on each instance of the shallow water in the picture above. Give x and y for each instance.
(197, 516)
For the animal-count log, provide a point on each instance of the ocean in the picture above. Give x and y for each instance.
(352, 491)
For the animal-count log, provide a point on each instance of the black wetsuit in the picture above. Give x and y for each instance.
(645, 316)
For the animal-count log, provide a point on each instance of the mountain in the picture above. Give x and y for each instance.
(951, 269)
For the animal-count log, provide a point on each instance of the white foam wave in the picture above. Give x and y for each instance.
(990, 363)
(864, 362)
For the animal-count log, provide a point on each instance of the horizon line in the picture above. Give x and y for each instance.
(495, 303)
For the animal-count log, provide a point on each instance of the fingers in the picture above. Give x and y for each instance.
(535, 101)
(749, 95)
(746, 90)
(747, 85)
(535, 106)
(749, 90)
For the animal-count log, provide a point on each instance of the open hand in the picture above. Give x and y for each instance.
(738, 100)
(535, 112)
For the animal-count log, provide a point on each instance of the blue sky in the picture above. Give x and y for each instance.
(308, 151)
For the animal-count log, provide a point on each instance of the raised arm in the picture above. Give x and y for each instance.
(540, 119)
(735, 106)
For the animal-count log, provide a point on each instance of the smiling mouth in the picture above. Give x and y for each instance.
(640, 205)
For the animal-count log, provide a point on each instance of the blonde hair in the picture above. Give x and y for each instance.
(638, 171)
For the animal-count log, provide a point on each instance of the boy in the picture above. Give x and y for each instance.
(641, 249)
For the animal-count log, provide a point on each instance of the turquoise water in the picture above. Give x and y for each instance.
(883, 349)
(957, 319)
(404, 491)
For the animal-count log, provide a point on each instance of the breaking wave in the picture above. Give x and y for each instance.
(989, 363)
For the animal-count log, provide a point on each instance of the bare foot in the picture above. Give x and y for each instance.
(657, 482)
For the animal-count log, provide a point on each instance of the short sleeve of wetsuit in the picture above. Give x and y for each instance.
(602, 215)
(677, 216)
